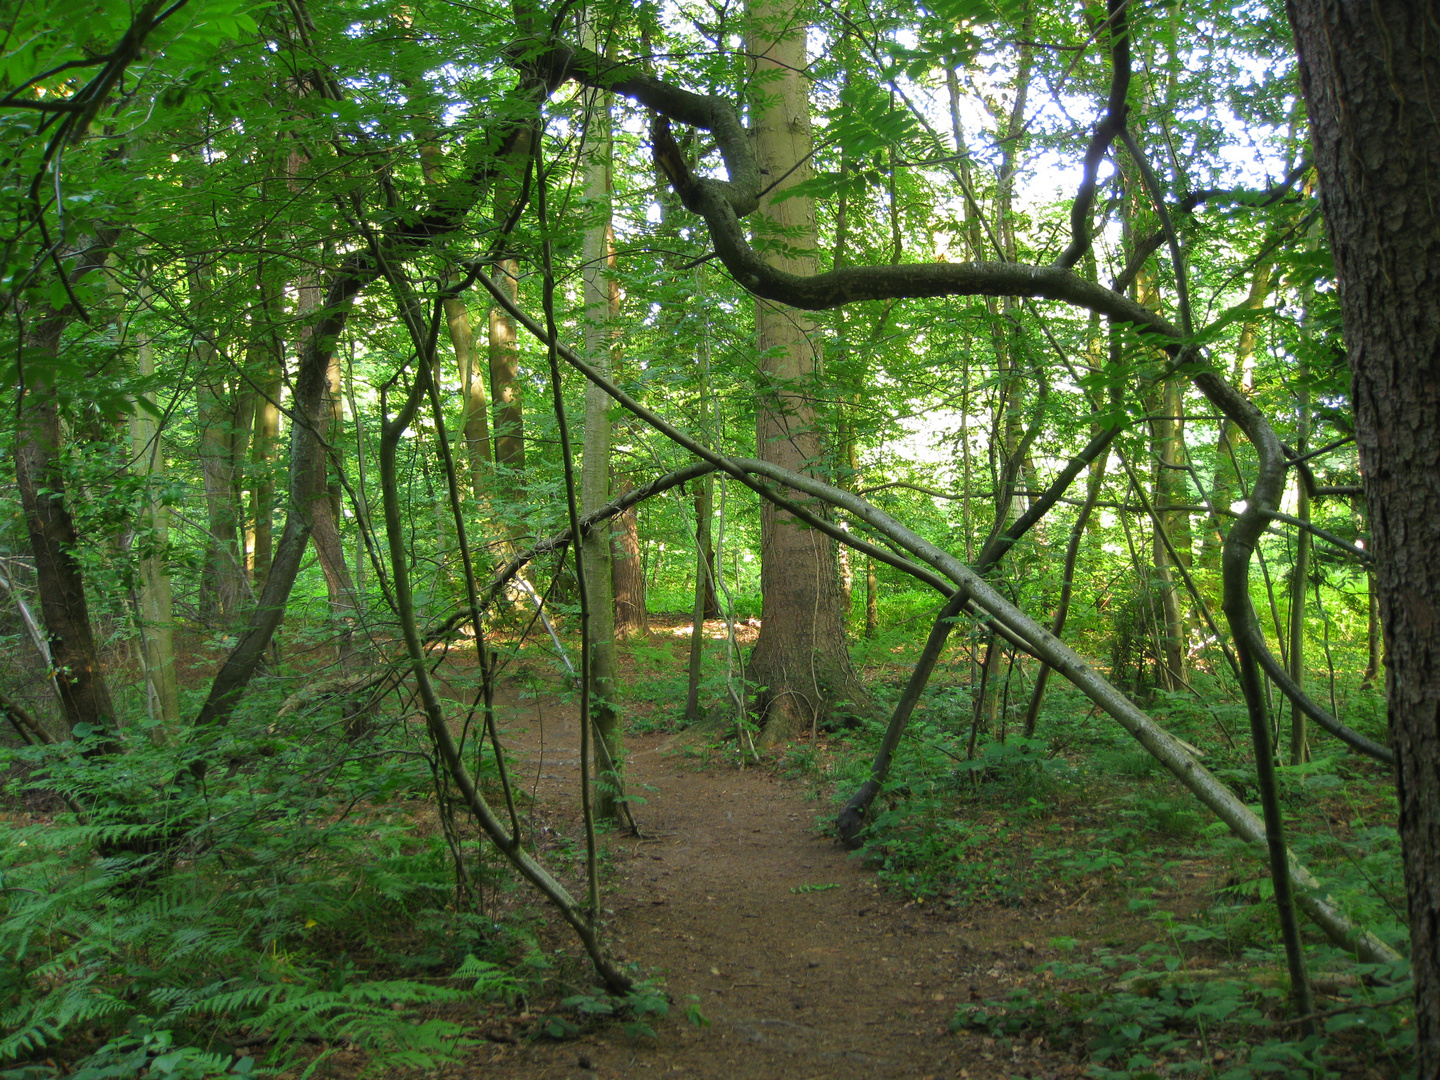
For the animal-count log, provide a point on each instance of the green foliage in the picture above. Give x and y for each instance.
(1158, 1013)
(142, 1048)
(224, 192)
(645, 999)
(180, 917)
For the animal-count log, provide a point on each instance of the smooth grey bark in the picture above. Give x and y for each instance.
(800, 662)
(153, 593)
(595, 549)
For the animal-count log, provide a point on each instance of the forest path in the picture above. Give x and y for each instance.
(719, 899)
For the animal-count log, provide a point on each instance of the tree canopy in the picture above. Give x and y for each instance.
(837, 315)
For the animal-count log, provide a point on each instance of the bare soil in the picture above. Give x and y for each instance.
(803, 966)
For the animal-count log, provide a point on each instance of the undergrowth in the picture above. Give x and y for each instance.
(1076, 814)
(287, 907)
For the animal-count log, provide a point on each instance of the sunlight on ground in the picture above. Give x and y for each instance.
(746, 631)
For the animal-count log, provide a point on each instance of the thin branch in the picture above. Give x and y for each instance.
(1350, 549)
(1111, 125)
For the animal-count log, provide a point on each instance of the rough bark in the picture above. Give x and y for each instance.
(1369, 73)
(632, 615)
(84, 695)
(40, 476)
(800, 659)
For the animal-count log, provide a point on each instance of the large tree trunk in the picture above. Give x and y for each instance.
(801, 658)
(506, 396)
(40, 476)
(627, 571)
(474, 400)
(1369, 72)
(324, 508)
(306, 492)
(218, 406)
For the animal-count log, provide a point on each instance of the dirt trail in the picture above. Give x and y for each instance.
(797, 982)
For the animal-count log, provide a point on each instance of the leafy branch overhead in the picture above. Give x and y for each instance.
(1037, 386)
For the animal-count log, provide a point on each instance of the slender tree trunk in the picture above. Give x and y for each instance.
(1014, 466)
(627, 567)
(474, 400)
(1093, 483)
(306, 492)
(801, 658)
(1226, 482)
(872, 601)
(1168, 429)
(1299, 587)
(704, 594)
(506, 397)
(325, 530)
(704, 490)
(1372, 632)
(222, 582)
(1369, 72)
(704, 502)
(267, 367)
(505, 393)
(153, 597)
(595, 549)
(324, 510)
(1300, 572)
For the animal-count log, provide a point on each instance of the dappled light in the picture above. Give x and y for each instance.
(737, 540)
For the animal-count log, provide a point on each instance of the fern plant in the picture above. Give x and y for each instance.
(173, 920)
